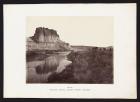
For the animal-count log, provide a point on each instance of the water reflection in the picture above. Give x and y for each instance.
(40, 70)
(49, 64)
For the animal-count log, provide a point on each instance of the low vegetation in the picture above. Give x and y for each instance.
(93, 66)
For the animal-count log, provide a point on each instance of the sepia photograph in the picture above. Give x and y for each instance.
(69, 49)
(78, 51)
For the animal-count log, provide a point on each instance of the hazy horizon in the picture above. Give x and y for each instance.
(76, 30)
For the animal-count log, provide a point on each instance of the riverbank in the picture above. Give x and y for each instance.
(89, 67)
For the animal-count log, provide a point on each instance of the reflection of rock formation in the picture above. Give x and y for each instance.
(40, 70)
(46, 39)
(50, 64)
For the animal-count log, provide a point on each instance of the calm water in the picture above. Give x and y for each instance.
(39, 70)
(75, 67)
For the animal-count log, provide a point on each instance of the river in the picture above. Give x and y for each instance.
(39, 70)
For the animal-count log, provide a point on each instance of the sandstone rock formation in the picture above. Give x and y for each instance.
(45, 35)
(46, 39)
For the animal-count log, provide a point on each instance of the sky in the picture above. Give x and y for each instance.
(76, 30)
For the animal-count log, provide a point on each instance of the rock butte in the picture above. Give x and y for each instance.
(46, 39)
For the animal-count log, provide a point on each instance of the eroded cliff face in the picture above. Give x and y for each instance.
(46, 39)
(45, 35)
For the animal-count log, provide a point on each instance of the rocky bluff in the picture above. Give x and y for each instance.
(46, 39)
(45, 35)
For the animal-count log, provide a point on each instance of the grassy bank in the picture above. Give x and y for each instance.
(94, 66)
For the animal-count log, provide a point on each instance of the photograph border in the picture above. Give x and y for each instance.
(63, 99)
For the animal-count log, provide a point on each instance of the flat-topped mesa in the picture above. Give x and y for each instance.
(45, 35)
